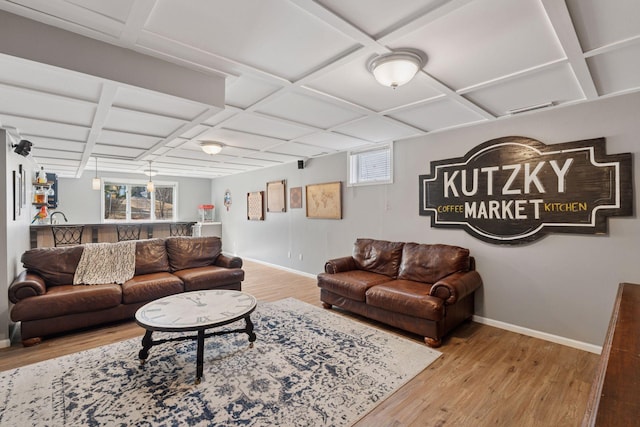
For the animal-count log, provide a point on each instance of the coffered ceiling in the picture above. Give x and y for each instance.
(295, 78)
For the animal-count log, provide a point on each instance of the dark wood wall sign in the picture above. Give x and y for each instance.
(515, 190)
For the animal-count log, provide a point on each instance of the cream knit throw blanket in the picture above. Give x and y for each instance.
(106, 263)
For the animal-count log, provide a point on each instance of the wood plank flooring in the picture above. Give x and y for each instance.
(485, 376)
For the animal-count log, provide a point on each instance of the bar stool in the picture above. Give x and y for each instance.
(180, 229)
(67, 235)
(128, 232)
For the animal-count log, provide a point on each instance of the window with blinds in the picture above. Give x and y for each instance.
(373, 166)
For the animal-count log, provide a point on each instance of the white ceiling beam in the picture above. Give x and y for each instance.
(107, 95)
(561, 22)
(140, 11)
(42, 43)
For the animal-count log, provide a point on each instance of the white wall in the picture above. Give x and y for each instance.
(81, 204)
(563, 284)
(14, 235)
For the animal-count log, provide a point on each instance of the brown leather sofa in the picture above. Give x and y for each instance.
(424, 289)
(46, 302)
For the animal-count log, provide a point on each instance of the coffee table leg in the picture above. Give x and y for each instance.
(249, 330)
(147, 342)
(200, 356)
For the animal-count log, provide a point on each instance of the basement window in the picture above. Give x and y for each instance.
(124, 201)
(371, 166)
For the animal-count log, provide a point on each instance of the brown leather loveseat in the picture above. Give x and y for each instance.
(424, 289)
(46, 301)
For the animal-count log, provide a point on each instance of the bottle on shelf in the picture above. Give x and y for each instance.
(40, 195)
(42, 176)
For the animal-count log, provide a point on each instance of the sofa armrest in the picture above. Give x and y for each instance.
(338, 265)
(26, 285)
(456, 286)
(228, 261)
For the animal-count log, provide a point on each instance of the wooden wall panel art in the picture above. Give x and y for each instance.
(276, 196)
(255, 206)
(515, 190)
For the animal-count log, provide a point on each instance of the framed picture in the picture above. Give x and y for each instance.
(16, 195)
(23, 186)
(324, 200)
(295, 198)
(255, 207)
(276, 195)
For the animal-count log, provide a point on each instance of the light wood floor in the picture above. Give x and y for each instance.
(485, 376)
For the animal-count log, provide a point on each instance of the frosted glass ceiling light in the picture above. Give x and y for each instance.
(396, 68)
(211, 147)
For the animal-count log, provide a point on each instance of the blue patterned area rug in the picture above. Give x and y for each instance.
(308, 367)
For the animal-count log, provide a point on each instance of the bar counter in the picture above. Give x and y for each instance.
(42, 237)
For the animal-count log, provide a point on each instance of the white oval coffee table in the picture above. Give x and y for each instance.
(195, 311)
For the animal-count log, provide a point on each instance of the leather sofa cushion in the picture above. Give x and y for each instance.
(351, 284)
(378, 256)
(151, 256)
(406, 297)
(430, 263)
(192, 252)
(56, 265)
(148, 287)
(210, 277)
(67, 299)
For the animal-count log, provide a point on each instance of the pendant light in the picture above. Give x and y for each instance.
(95, 182)
(150, 185)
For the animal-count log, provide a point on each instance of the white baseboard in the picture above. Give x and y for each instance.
(5, 343)
(541, 335)
(279, 267)
(483, 320)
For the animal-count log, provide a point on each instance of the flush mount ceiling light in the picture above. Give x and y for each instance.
(396, 68)
(211, 147)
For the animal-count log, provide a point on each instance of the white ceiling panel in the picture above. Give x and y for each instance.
(557, 85)
(436, 115)
(131, 121)
(157, 103)
(302, 150)
(32, 127)
(485, 40)
(617, 71)
(196, 23)
(38, 105)
(245, 91)
(377, 17)
(110, 137)
(112, 150)
(260, 125)
(600, 23)
(376, 129)
(307, 110)
(297, 83)
(42, 78)
(333, 141)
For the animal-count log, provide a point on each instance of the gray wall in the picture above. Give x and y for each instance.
(563, 285)
(14, 235)
(81, 204)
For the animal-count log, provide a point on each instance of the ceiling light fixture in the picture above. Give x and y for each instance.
(96, 182)
(396, 68)
(211, 147)
(151, 172)
(150, 185)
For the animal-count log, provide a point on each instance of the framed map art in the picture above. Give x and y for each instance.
(324, 201)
